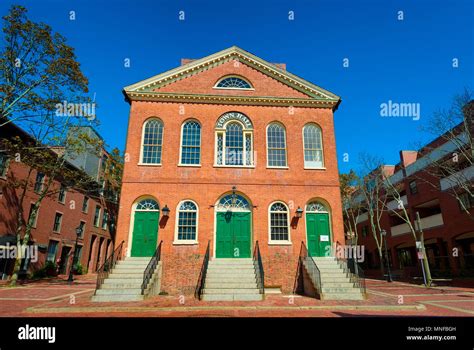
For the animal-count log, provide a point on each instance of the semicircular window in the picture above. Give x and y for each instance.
(233, 83)
(230, 202)
(316, 207)
(148, 204)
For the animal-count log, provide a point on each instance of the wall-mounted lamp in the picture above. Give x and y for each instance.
(165, 210)
(299, 212)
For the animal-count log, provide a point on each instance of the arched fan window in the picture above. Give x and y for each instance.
(233, 83)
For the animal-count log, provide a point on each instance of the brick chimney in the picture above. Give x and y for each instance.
(280, 65)
(408, 157)
(187, 60)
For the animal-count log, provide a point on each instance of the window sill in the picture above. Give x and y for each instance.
(278, 167)
(315, 168)
(190, 165)
(279, 243)
(185, 242)
(235, 166)
(149, 164)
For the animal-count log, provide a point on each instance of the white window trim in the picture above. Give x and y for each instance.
(180, 163)
(322, 148)
(60, 222)
(177, 241)
(87, 206)
(106, 223)
(37, 214)
(233, 88)
(286, 147)
(140, 160)
(65, 194)
(277, 242)
(98, 217)
(245, 132)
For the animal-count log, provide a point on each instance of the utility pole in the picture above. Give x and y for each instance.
(425, 264)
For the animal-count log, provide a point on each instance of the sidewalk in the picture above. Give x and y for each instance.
(54, 297)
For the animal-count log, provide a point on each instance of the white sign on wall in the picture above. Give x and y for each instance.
(324, 238)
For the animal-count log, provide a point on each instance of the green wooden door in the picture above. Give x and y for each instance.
(233, 235)
(318, 233)
(145, 233)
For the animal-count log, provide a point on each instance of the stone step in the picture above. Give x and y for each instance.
(232, 297)
(233, 274)
(343, 296)
(336, 290)
(117, 297)
(230, 260)
(138, 258)
(120, 279)
(128, 271)
(119, 291)
(247, 269)
(253, 290)
(331, 284)
(221, 263)
(129, 268)
(132, 263)
(123, 276)
(225, 279)
(227, 285)
(111, 284)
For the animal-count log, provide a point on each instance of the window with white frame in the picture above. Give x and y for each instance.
(187, 222)
(234, 140)
(276, 145)
(233, 82)
(279, 223)
(191, 143)
(313, 146)
(152, 142)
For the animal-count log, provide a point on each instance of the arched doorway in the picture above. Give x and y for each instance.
(233, 227)
(145, 227)
(318, 229)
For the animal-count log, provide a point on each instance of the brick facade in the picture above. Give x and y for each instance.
(91, 256)
(170, 183)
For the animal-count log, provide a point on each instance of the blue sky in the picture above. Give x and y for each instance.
(407, 61)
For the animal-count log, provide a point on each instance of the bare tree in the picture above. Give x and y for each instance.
(351, 203)
(374, 196)
(451, 161)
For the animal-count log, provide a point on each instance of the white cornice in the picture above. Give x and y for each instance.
(233, 52)
(232, 100)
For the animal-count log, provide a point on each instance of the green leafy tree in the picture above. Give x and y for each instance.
(39, 74)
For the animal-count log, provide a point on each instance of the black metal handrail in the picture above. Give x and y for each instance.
(108, 265)
(150, 269)
(311, 267)
(202, 275)
(258, 265)
(353, 270)
(357, 275)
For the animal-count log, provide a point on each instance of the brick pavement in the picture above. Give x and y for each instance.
(55, 298)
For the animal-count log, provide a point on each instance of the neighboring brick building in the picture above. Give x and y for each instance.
(445, 224)
(219, 143)
(58, 216)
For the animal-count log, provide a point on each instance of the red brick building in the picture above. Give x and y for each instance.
(59, 215)
(448, 230)
(229, 150)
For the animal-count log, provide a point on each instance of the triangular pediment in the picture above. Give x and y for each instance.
(273, 82)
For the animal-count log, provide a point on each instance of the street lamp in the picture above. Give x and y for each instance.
(78, 234)
(389, 274)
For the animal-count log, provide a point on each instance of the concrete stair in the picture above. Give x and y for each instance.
(335, 282)
(231, 280)
(124, 283)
